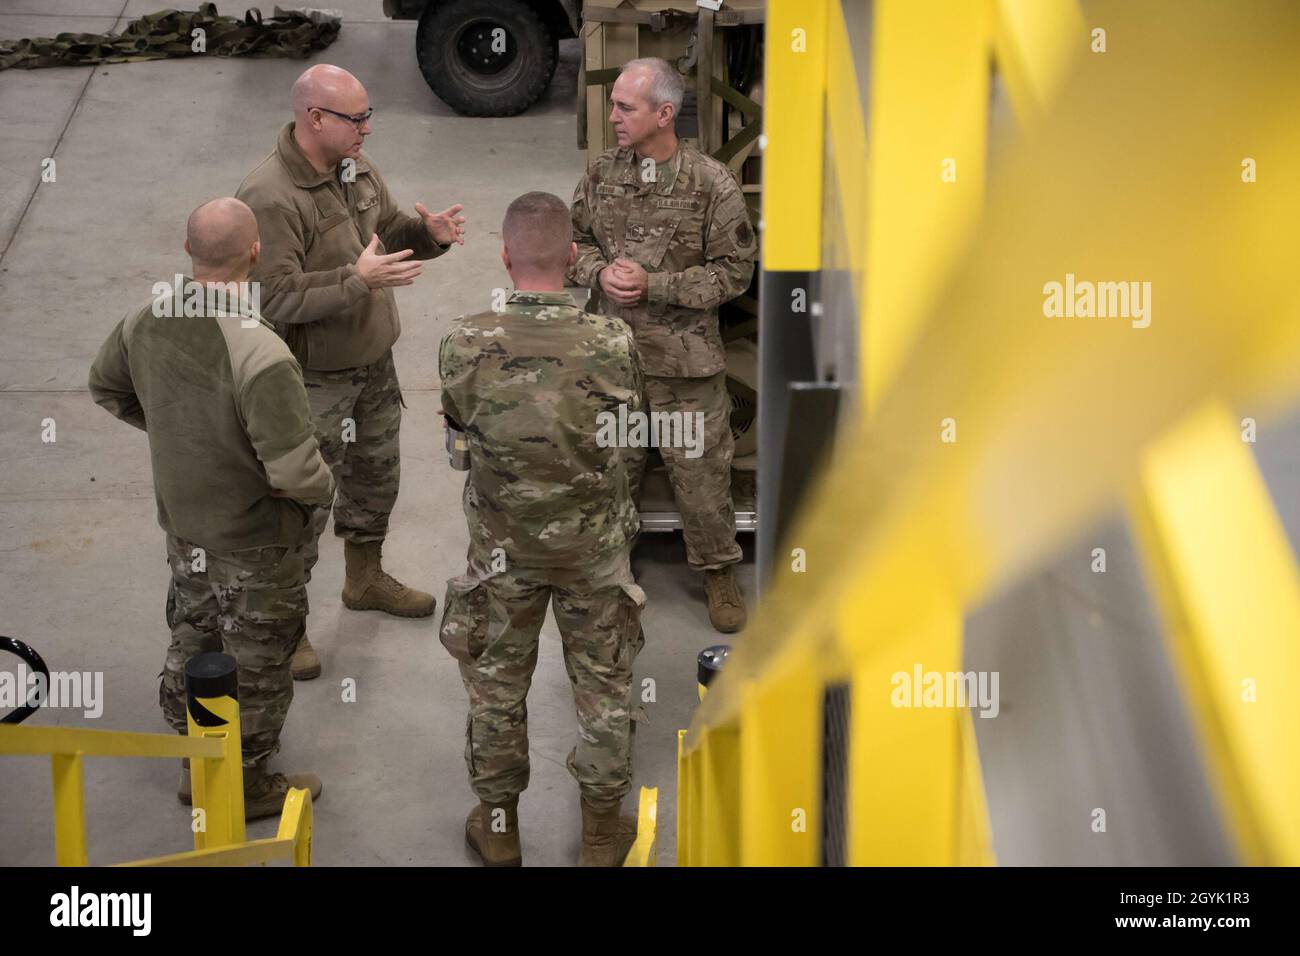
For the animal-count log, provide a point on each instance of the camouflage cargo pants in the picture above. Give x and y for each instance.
(252, 605)
(357, 413)
(701, 485)
(491, 623)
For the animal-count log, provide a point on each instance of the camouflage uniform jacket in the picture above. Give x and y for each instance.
(527, 385)
(689, 229)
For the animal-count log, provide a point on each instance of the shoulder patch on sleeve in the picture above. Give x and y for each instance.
(742, 233)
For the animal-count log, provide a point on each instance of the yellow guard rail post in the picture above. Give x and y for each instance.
(645, 851)
(213, 749)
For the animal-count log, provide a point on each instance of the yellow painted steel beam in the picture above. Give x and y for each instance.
(694, 810)
(1037, 43)
(1227, 583)
(843, 215)
(40, 741)
(780, 771)
(69, 810)
(252, 853)
(297, 823)
(645, 850)
(686, 793)
(293, 841)
(218, 783)
(974, 832)
(927, 125)
(794, 91)
(904, 761)
(1048, 414)
(717, 841)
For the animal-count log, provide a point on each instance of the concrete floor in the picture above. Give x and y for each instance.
(1090, 713)
(82, 566)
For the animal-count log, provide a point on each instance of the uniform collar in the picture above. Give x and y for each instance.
(670, 172)
(301, 171)
(541, 298)
(667, 173)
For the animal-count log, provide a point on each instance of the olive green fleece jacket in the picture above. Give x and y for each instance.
(313, 227)
(223, 403)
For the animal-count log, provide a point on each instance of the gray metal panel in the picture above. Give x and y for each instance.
(1277, 449)
(1091, 717)
(858, 15)
(784, 356)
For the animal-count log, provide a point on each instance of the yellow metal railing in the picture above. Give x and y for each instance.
(991, 429)
(213, 749)
(645, 851)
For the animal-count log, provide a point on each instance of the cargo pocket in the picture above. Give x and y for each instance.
(631, 637)
(464, 618)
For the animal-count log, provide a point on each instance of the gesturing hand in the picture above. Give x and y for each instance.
(379, 271)
(445, 226)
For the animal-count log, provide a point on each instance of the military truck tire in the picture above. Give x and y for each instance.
(456, 46)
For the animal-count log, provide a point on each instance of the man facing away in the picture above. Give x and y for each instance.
(236, 472)
(327, 223)
(551, 520)
(663, 239)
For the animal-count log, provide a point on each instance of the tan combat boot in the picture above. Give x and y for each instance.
(495, 846)
(368, 587)
(306, 662)
(607, 835)
(264, 792)
(726, 605)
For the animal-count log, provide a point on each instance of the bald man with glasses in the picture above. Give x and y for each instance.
(334, 245)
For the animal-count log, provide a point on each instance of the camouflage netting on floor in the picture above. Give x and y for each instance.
(172, 33)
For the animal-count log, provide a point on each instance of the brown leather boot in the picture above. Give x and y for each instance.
(264, 792)
(607, 835)
(726, 604)
(492, 831)
(306, 662)
(368, 587)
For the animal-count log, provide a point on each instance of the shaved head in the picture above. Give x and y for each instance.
(324, 85)
(324, 96)
(538, 234)
(219, 236)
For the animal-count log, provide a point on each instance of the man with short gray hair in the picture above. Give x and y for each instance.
(664, 239)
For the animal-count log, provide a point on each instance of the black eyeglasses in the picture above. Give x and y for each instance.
(358, 121)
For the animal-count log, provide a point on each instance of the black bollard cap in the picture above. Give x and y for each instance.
(212, 675)
(710, 661)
